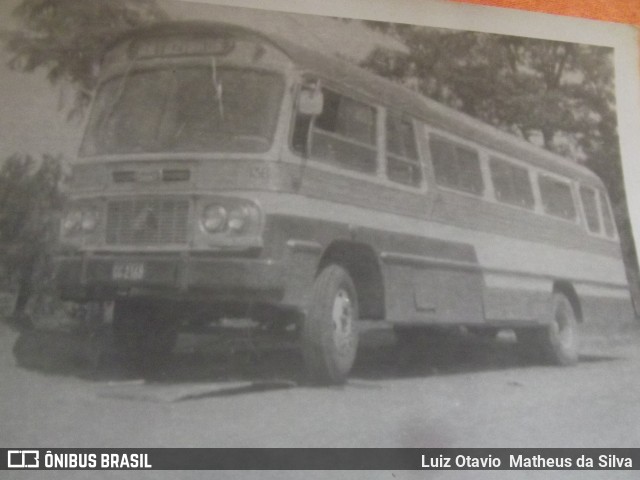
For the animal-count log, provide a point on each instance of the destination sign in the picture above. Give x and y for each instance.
(181, 46)
(228, 48)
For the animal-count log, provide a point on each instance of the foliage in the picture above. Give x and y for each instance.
(522, 85)
(67, 37)
(30, 199)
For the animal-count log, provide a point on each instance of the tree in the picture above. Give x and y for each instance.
(67, 37)
(529, 87)
(30, 199)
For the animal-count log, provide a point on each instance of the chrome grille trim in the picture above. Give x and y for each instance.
(147, 221)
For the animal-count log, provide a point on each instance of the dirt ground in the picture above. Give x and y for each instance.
(60, 390)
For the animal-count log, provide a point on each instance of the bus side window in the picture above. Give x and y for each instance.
(403, 165)
(607, 219)
(557, 199)
(308, 104)
(511, 183)
(590, 207)
(300, 137)
(456, 166)
(345, 133)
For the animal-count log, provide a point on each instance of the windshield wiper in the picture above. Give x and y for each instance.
(217, 86)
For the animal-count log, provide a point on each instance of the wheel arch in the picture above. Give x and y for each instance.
(566, 288)
(362, 263)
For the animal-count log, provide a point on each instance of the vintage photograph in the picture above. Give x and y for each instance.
(224, 226)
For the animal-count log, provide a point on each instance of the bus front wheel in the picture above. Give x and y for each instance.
(558, 342)
(330, 331)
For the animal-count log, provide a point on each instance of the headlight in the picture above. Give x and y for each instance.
(71, 222)
(76, 221)
(214, 218)
(89, 220)
(238, 219)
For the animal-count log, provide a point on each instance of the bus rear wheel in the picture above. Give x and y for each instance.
(558, 342)
(330, 332)
(144, 333)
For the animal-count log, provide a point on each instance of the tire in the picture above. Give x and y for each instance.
(558, 342)
(144, 333)
(329, 335)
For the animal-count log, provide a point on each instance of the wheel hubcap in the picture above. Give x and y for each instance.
(563, 328)
(342, 317)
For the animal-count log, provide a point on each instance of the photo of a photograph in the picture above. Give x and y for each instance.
(231, 227)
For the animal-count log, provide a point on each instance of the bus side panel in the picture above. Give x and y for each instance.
(415, 289)
(339, 190)
(523, 253)
(605, 310)
(298, 242)
(514, 298)
(509, 224)
(424, 279)
(431, 295)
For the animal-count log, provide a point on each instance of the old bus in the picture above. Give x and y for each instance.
(226, 174)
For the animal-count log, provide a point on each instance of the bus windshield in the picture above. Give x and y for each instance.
(184, 109)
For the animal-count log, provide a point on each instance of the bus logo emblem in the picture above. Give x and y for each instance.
(147, 220)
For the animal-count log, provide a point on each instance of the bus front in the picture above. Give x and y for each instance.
(163, 213)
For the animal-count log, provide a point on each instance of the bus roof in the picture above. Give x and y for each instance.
(385, 92)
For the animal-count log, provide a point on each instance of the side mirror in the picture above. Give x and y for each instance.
(310, 101)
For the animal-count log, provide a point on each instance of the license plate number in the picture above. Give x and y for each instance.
(128, 271)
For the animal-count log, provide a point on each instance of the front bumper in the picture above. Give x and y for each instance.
(180, 276)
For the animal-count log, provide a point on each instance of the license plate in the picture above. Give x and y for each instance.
(128, 271)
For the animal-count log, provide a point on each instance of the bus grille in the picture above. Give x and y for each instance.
(147, 221)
